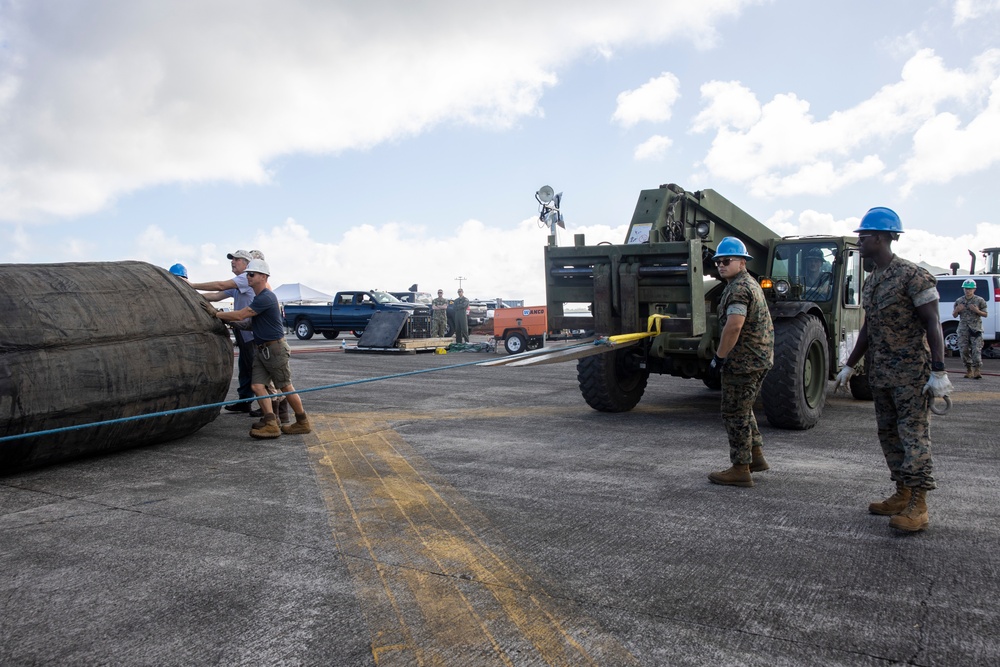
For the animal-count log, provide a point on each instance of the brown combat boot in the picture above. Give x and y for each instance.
(279, 408)
(968, 371)
(300, 426)
(914, 518)
(758, 463)
(737, 475)
(976, 374)
(269, 430)
(894, 504)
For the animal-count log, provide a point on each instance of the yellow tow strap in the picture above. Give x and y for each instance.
(652, 329)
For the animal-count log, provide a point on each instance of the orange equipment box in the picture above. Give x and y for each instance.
(520, 329)
(532, 320)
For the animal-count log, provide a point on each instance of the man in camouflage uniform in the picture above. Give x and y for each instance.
(970, 311)
(439, 315)
(745, 354)
(903, 348)
(461, 318)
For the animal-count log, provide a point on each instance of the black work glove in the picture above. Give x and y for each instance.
(715, 368)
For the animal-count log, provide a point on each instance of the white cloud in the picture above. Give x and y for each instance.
(155, 246)
(819, 178)
(780, 147)
(651, 102)
(729, 105)
(969, 10)
(146, 96)
(654, 148)
(943, 149)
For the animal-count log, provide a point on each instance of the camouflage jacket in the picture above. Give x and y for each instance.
(967, 318)
(898, 353)
(754, 349)
(439, 314)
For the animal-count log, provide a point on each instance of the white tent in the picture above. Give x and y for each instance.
(291, 292)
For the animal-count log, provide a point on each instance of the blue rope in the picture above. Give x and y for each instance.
(209, 406)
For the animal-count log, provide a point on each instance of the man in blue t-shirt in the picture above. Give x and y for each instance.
(271, 360)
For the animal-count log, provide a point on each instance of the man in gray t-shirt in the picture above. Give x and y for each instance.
(241, 293)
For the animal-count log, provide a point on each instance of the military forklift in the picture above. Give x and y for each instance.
(665, 267)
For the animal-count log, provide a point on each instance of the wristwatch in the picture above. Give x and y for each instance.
(937, 366)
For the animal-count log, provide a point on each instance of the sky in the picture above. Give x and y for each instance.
(377, 144)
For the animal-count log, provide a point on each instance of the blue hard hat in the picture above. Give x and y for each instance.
(880, 219)
(969, 284)
(179, 270)
(732, 247)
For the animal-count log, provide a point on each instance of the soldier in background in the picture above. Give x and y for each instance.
(439, 315)
(461, 318)
(970, 311)
(818, 283)
(745, 354)
(903, 347)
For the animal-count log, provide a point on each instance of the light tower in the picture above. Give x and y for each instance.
(549, 213)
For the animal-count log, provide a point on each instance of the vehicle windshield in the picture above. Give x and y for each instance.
(384, 297)
(809, 265)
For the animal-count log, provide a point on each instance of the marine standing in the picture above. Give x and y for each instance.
(439, 315)
(461, 318)
(903, 348)
(970, 311)
(744, 355)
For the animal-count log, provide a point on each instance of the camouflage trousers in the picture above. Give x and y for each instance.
(439, 325)
(903, 418)
(971, 347)
(739, 392)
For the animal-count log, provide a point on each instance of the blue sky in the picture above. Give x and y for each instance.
(378, 144)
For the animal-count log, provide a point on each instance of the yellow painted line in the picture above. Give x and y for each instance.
(434, 580)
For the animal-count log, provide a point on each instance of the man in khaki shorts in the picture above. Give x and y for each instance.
(271, 361)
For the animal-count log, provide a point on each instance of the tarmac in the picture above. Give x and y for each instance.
(488, 516)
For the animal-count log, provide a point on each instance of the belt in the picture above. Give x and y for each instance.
(268, 343)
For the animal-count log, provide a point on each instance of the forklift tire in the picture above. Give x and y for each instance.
(610, 382)
(515, 343)
(794, 389)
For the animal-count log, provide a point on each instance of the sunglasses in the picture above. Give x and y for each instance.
(250, 274)
(724, 261)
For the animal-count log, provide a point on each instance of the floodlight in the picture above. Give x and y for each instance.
(545, 194)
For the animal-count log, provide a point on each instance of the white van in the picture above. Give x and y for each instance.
(950, 288)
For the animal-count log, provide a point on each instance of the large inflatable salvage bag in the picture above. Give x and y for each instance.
(90, 342)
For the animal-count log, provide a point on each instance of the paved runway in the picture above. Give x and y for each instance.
(487, 516)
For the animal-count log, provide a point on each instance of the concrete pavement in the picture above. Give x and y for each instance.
(481, 516)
